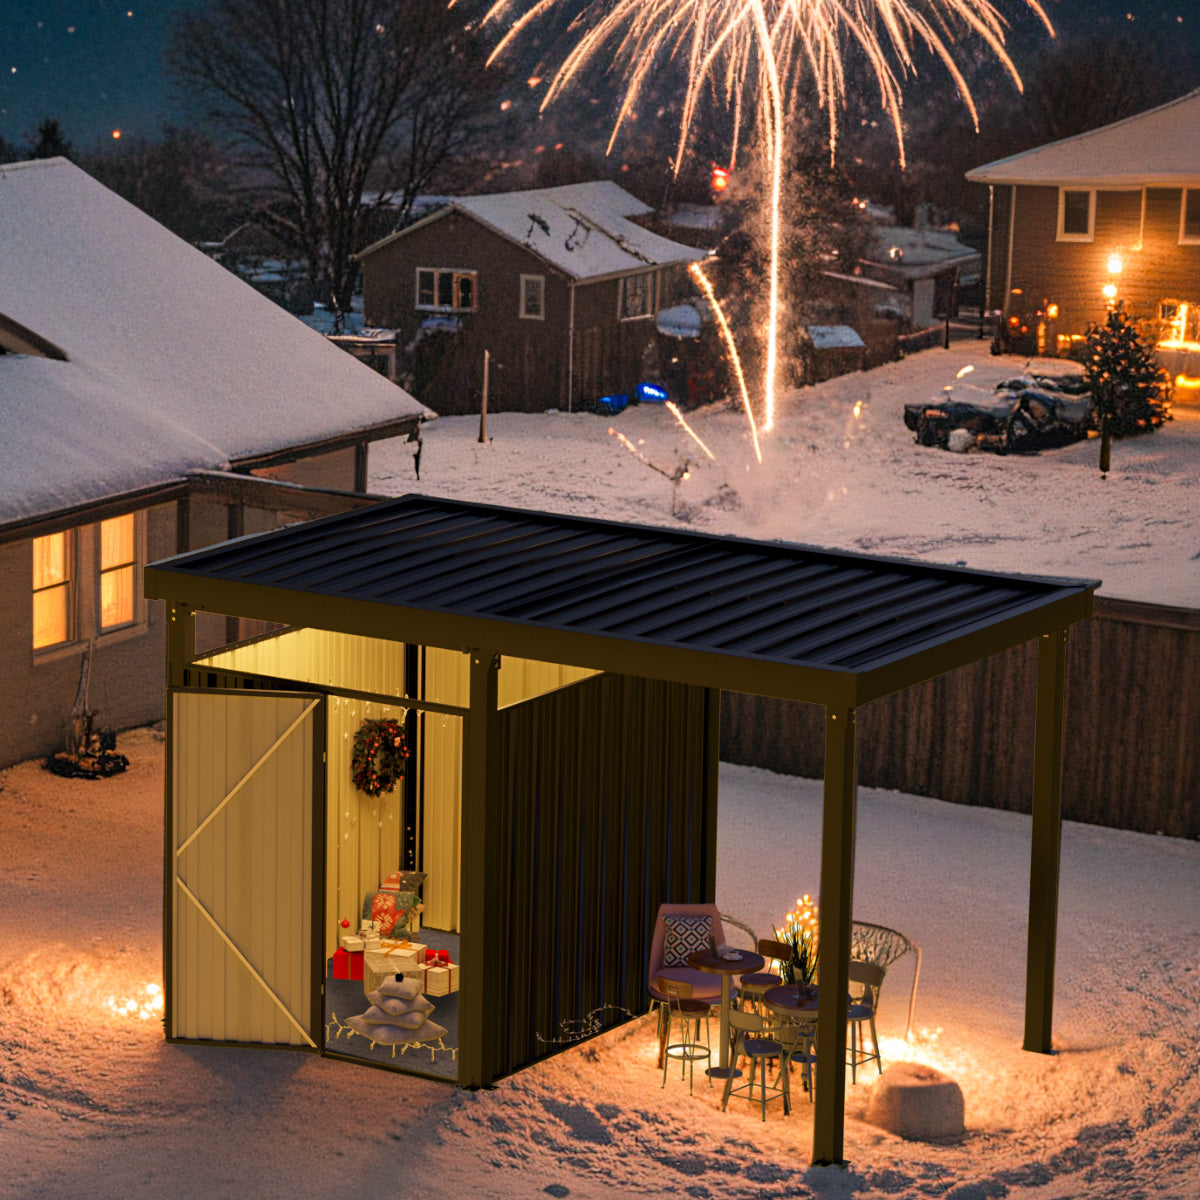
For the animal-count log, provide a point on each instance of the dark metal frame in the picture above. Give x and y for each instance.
(825, 627)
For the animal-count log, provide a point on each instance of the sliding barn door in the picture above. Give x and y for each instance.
(243, 880)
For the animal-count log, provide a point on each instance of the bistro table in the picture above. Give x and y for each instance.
(746, 963)
(784, 1001)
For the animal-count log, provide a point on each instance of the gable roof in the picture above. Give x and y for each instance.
(582, 229)
(768, 618)
(132, 358)
(1160, 146)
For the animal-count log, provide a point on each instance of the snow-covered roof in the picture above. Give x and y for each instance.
(582, 229)
(171, 362)
(835, 337)
(1160, 146)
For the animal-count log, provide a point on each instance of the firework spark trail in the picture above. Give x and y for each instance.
(718, 40)
(674, 409)
(699, 276)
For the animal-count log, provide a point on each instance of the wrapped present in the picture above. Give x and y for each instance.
(403, 951)
(352, 943)
(440, 979)
(379, 966)
(347, 964)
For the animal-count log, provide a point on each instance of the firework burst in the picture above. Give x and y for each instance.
(752, 55)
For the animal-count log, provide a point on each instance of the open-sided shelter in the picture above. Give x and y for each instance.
(564, 677)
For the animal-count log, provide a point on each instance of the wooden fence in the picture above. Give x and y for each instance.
(1132, 748)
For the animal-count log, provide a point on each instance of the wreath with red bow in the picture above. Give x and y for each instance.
(378, 761)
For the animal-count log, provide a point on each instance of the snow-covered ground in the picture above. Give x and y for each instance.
(841, 470)
(93, 1104)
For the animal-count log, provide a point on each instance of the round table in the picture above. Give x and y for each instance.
(747, 963)
(783, 1000)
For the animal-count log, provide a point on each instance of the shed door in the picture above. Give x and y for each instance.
(923, 303)
(245, 788)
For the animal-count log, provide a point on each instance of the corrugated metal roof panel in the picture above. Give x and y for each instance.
(762, 601)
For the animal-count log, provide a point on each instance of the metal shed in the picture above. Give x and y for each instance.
(584, 661)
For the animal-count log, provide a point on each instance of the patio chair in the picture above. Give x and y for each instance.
(861, 1009)
(684, 1015)
(752, 988)
(883, 946)
(757, 1040)
(704, 986)
(797, 1038)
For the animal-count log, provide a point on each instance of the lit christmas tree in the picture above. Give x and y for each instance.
(1130, 390)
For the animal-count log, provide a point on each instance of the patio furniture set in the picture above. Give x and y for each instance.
(768, 1023)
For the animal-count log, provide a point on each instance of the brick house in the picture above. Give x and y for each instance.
(150, 402)
(559, 285)
(1117, 206)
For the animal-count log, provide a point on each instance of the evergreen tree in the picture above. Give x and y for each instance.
(50, 142)
(1130, 391)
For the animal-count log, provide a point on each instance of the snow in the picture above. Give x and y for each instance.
(840, 470)
(581, 228)
(98, 1104)
(173, 362)
(1160, 146)
(921, 248)
(835, 337)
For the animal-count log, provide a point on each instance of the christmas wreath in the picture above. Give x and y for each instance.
(377, 764)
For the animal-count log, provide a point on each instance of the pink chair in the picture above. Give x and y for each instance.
(704, 986)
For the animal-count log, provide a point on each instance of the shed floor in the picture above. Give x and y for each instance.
(344, 998)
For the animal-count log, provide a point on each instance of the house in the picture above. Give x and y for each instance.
(559, 684)
(150, 402)
(559, 285)
(1111, 214)
(926, 266)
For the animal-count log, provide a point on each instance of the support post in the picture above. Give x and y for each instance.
(1045, 840)
(480, 823)
(181, 643)
(487, 359)
(836, 904)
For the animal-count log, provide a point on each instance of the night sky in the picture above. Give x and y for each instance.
(96, 65)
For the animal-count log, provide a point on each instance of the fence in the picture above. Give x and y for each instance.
(1132, 749)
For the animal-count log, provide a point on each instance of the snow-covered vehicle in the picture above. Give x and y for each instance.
(1025, 413)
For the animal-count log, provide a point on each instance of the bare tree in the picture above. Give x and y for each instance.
(320, 92)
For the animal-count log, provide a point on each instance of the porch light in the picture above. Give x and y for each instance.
(1115, 265)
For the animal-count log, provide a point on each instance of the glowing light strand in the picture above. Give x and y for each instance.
(698, 275)
(673, 408)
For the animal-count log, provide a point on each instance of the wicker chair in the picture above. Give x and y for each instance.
(881, 946)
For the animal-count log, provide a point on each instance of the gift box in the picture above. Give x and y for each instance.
(378, 966)
(401, 951)
(352, 943)
(347, 964)
(440, 980)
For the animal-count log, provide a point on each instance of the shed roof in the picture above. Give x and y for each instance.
(765, 617)
(134, 358)
(1160, 146)
(581, 228)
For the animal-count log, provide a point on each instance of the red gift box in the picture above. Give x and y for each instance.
(347, 964)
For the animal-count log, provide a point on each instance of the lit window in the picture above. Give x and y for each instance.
(1189, 217)
(637, 297)
(1076, 215)
(533, 297)
(446, 290)
(51, 590)
(118, 559)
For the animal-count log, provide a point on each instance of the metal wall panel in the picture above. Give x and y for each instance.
(607, 805)
(242, 801)
(329, 660)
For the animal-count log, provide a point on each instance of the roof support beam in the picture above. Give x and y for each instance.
(836, 905)
(479, 836)
(1046, 840)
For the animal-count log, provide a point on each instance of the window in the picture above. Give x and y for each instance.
(118, 566)
(1189, 216)
(637, 297)
(1076, 214)
(446, 290)
(533, 297)
(52, 589)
